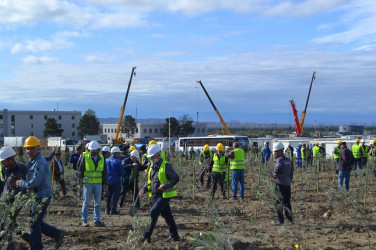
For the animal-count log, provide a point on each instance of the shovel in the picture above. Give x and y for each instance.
(132, 209)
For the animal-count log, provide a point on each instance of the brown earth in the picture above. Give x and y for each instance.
(247, 224)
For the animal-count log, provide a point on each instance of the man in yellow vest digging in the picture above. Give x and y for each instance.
(218, 170)
(237, 165)
(206, 157)
(92, 174)
(161, 185)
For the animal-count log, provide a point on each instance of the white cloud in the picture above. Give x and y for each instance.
(39, 45)
(97, 58)
(38, 60)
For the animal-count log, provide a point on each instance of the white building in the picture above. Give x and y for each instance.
(150, 130)
(26, 123)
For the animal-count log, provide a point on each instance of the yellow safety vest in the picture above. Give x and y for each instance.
(92, 175)
(168, 193)
(337, 152)
(219, 164)
(1, 173)
(315, 151)
(204, 155)
(356, 151)
(365, 151)
(303, 152)
(238, 161)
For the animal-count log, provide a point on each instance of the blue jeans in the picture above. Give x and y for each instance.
(89, 190)
(161, 206)
(237, 176)
(357, 162)
(37, 226)
(299, 162)
(344, 174)
(112, 195)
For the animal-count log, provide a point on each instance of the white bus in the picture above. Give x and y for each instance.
(197, 143)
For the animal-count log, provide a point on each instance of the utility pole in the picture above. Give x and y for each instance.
(169, 131)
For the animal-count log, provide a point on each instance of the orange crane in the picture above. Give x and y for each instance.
(215, 108)
(117, 139)
(299, 126)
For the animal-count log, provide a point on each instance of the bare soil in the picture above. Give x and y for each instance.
(247, 224)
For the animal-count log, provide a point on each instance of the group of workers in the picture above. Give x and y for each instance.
(113, 170)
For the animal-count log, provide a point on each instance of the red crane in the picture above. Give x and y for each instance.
(296, 118)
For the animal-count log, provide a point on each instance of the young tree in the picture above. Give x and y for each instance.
(89, 124)
(186, 127)
(129, 126)
(51, 128)
(174, 127)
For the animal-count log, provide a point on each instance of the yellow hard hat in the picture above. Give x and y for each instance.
(206, 147)
(339, 141)
(219, 146)
(357, 140)
(133, 147)
(152, 142)
(31, 141)
(317, 143)
(374, 141)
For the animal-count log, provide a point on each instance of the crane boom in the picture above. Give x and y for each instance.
(296, 118)
(123, 107)
(215, 108)
(306, 105)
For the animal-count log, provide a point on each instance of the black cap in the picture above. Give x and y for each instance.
(58, 153)
(343, 143)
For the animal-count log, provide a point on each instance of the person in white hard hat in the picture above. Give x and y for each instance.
(161, 185)
(115, 171)
(282, 174)
(106, 152)
(12, 171)
(365, 150)
(92, 174)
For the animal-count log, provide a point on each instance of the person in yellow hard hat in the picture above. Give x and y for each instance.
(365, 150)
(218, 169)
(337, 153)
(39, 182)
(316, 155)
(206, 157)
(372, 156)
(357, 153)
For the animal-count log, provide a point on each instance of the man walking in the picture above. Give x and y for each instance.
(58, 171)
(218, 170)
(115, 171)
(206, 157)
(92, 174)
(266, 153)
(282, 174)
(39, 183)
(161, 185)
(237, 164)
(344, 166)
(357, 153)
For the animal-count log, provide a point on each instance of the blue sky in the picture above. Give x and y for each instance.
(252, 56)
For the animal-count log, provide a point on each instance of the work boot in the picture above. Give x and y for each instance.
(277, 222)
(175, 238)
(59, 239)
(146, 238)
(99, 224)
(85, 224)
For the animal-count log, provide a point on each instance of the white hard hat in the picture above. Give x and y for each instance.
(153, 149)
(6, 152)
(106, 149)
(93, 145)
(115, 150)
(363, 140)
(135, 153)
(278, 146)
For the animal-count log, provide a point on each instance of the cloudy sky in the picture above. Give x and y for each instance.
(252, 56)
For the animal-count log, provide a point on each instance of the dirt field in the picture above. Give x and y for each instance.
(350, 225)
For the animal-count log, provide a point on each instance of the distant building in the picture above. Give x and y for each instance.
(351, 130)
(149, 130)
(26, 123)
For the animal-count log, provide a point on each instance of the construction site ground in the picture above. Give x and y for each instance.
(324, 219)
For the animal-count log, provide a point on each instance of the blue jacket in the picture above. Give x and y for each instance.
(114, 169)
(266, 152)
(73, 158)
(39, 178)
(299, 151)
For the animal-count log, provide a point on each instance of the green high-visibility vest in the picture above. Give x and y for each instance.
(219, 164)
(356, 151)
(204, 155)
(372, 152)
(1, 173)
(168, 193)
(337, 152)
(315, 151)
(303, 152)
(93, 175)
(365, 151)
(238, 161)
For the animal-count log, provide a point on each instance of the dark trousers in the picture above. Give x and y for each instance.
(205, 172)
(135, 190)
(124, 189)
(283, 202)
(61, 182)
(218, 177)
(112, 196)
(37, 226)
(161, 206)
